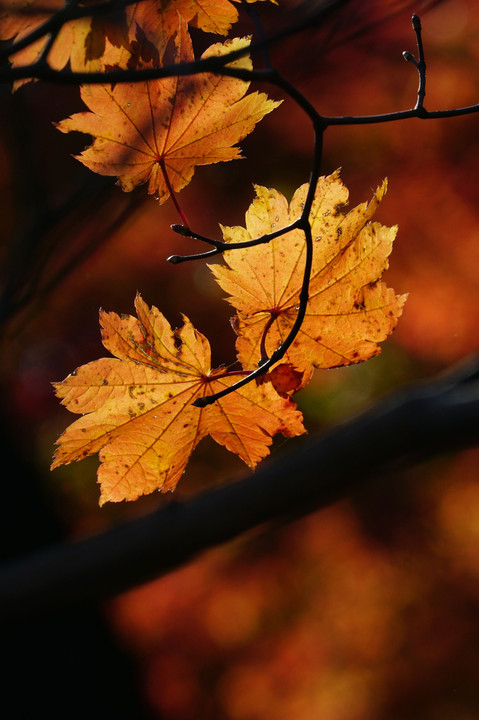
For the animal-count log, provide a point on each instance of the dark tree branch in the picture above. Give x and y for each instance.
(320, 124)
(297, 22)
(266, 362)
(57, 19)
(221, 65)
(434, 417)
(221, 246)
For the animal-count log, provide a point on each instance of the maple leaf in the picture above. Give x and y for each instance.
(212, 16)
(87, 43)
(159, 17)
(18, 18)
(94, 43)
(145, 129)
(349, 310)
(108, 39)
(138, 411)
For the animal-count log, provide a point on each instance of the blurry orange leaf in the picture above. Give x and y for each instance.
(349, 309)
(212, 16)
(91, 43)
(145, 129)
(18, 18)
(138, 413)
(157, 17)
(88, 43)
(128, 37)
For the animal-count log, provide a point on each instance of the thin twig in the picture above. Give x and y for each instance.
(59, 18)
(421, 63)
(251, 10)
(281, 350)
(180, 212)
(221, 246)
(221, 65)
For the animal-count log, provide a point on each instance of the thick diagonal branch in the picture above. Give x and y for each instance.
(425, 420)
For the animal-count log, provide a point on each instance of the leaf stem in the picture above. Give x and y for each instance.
(221, 65)
(180, 212)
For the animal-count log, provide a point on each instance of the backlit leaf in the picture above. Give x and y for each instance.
(349, 310)
(143, 130)
(112, 38)
(88, 43)
(138, 413)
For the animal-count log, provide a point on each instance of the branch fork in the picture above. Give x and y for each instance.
(221, 66)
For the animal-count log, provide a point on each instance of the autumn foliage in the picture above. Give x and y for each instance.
(143, 410)
(139, 413)
(158, 131)
(135, 35)
(137, 407)
(349, 310)
(368, 608)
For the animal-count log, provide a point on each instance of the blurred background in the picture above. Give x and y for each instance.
(368, 610)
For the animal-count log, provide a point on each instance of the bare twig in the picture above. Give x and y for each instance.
(221, 65)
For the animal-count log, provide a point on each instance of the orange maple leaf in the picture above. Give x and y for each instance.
(158, 17)
(138, 411)
(87, 43)
(108, 39)
(349, 310)
(212, 16)
(146, 129)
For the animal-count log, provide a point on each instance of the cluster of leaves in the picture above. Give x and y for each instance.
(304, 278)
(155, 131)
(134, 34)
(139, 407)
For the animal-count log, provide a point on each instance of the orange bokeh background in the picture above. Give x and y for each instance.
(368, 610)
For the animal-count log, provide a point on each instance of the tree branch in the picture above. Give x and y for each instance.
(221, 65)
(425, 420)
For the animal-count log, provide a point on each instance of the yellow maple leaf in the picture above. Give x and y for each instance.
(142, 130)
(156, 17)
(212, 16)
(349, 310)
(87, 43)
(138, 413)
(91, 43)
